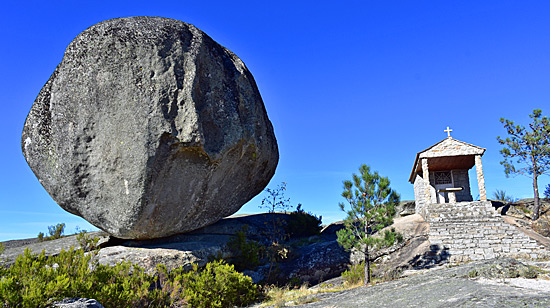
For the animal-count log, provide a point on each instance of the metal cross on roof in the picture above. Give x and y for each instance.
(448, 131)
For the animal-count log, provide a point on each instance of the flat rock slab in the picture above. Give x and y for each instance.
(441, 287)
(51, 248)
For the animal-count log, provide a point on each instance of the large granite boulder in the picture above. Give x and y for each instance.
(149, 128)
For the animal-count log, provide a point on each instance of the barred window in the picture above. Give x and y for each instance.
(443, 177)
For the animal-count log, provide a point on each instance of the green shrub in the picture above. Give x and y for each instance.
(302, 223)
(86, 242)
(35, 280)
(473, 273)
(355, 274)
(55, 233)
(217, 285)
(528, 272)
(247, 251)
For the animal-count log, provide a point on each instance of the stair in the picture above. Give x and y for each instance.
(475, 231)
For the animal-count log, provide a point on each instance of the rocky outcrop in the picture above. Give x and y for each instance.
(313, 258)
(520, 208)
(310, 259)
(445, 287)
(149, 128)
(405, 208)
(316, 263)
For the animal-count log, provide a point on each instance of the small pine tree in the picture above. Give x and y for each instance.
(372, 203)
(56, 231)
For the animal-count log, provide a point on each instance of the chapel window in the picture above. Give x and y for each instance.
(443, 177)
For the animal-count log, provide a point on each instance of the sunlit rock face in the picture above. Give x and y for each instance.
(149, 128)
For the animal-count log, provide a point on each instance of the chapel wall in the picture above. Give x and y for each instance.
(420, 196)
(461, 179)
(433, 193)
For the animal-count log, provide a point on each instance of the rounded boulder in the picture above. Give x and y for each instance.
(149, 128)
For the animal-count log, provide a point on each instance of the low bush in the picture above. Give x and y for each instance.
(302, 223)
(35, 280)
(87, 242)
(217, 285)
(247, 252)
(504, 271)
(473, 273)
(355, 274)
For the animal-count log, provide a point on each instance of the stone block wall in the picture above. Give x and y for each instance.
(461, 179)
(475, 231)
(420, 196)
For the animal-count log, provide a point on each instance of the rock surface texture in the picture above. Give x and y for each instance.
(149, 128)
(444, 287)
(78, 303)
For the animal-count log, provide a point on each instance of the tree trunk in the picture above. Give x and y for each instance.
(536, 210)
(535, 186)
(367, 265)
(367, 259)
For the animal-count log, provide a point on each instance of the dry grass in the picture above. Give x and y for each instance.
(286, 296)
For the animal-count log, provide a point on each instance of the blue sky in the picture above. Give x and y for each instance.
(344, 83)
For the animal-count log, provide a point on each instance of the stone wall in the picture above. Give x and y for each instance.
(461, 179)
(419, 196)
(475, 231)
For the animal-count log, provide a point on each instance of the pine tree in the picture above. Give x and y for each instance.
(527, 147)
(372, 203)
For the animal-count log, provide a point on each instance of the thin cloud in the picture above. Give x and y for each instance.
(35, 213)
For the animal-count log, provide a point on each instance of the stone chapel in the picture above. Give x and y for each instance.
(461, 229)
(440, 173)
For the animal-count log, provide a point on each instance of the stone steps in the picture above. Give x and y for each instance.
(475, 231)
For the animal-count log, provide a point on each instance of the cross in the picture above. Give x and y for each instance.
(448, 131)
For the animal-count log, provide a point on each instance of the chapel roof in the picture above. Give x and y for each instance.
(447, 154)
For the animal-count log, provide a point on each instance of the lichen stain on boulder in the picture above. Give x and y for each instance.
(149, 128)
